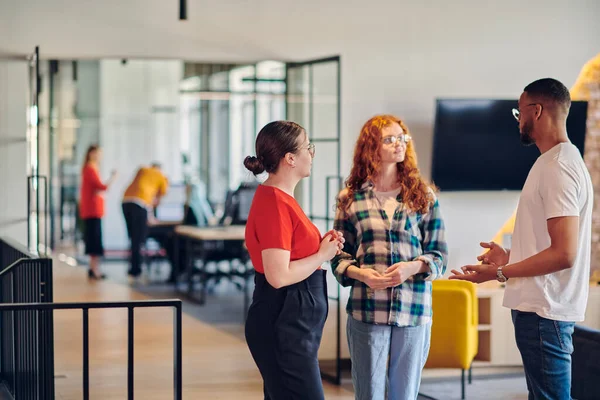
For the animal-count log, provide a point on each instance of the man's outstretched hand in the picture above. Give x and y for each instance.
(496, 254)
(475, 273)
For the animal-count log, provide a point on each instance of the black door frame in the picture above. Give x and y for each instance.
(327, 219)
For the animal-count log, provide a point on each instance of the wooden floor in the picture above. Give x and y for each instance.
(216, 365)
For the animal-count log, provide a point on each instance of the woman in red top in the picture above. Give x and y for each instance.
(91, 209)
(289, 307)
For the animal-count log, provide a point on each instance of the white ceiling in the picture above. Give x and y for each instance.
(246, 30)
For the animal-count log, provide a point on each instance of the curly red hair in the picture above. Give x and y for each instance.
(417, 194)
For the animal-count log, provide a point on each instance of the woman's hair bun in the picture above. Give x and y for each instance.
(254, 165)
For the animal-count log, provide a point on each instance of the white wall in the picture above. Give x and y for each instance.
(139, 124)
(13, 150)
(397, 56)
(473, 217)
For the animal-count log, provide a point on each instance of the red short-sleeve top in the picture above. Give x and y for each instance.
(276, 221)
(91, 202)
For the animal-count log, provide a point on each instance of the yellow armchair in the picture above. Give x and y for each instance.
(454, 338)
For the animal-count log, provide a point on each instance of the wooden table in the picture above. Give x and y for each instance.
(162, 222)
(194, 240)
(232, 232)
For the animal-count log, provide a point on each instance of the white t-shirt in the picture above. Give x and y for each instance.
(388, 201)
(558, 185)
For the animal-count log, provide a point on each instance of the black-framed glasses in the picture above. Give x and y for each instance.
(311, 149)
(393, 139)
(517, 113)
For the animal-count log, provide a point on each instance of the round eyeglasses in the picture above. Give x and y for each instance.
(394, 139)
(311, 149)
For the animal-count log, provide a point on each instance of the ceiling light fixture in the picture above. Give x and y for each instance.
(182, 10)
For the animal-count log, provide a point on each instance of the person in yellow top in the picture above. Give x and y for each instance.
(139, 200)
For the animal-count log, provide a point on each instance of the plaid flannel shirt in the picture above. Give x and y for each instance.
(373, 241)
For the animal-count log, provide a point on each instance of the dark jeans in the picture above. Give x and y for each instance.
(546, 346)
(136, 219)
(283, 331)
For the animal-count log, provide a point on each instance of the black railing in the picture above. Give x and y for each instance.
(85, 307)
(27, 333)
(26, 338)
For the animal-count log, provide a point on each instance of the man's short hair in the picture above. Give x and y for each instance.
(156, 165)
(550, 90)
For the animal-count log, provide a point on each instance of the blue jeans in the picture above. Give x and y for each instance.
(387, 359)
(546, 346)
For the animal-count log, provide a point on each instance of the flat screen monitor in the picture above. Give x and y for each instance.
(171, 205)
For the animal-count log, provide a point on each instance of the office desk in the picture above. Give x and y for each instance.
(226, 233)
(157, 223)
(196, 241)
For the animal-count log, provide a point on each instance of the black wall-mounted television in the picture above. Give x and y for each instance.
(476, 144)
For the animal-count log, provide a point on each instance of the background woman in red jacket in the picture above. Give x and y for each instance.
(91, 209)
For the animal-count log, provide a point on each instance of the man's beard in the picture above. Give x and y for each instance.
(526, 138)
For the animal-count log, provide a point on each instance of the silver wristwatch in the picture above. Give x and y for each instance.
(500, 276)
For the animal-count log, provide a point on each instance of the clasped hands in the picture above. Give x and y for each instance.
(332, 244)
(393, 276)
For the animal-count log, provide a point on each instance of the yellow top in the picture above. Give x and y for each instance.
(149, 182)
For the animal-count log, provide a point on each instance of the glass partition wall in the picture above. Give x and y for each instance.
(223, 108)
(198, 120)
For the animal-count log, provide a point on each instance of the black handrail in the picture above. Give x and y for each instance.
(26, 338)
(130, 305)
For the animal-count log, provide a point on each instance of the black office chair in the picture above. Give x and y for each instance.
(237, 204)
(231, 253)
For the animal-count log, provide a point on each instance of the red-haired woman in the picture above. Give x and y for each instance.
(394, 248)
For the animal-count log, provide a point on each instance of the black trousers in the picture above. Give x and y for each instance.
(136, 219)
(283, 331)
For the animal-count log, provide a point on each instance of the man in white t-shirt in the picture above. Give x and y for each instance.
(548, 268)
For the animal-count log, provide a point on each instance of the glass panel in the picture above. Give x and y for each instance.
(75, 122)
(298, 102)
(218, 139)
(218, 169)
(325, 101)
(190, 136)
(241, 122)
(324, 166)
